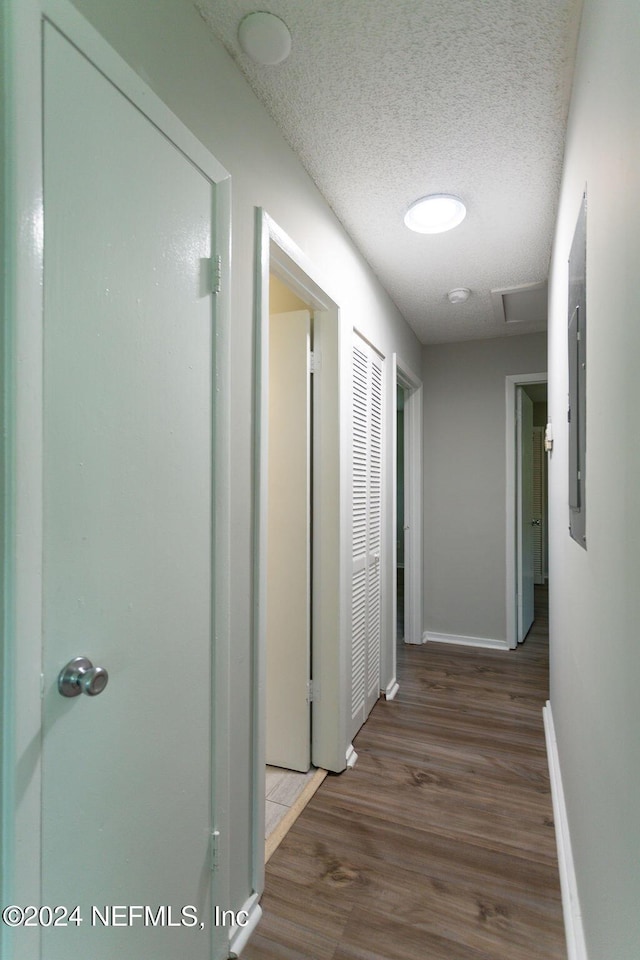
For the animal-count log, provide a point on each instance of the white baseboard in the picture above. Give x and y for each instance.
(239, 934)
(351, 757)
(392, 689)
(574, 932)
(487, 642)
(421, 639)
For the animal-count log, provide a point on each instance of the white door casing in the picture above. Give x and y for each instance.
(367, 446)
(525, 551)
(128, 781)
(288, 734)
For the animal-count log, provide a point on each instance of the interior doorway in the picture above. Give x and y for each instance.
(290, 778)
(406, 580)
(538, 520)
(527, 503)
(311, 689)
(289, 530)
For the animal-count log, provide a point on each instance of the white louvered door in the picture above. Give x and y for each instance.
(367, 529)
(360, 494)
(374, 580)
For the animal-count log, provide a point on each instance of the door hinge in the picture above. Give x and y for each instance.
(216, 274)
(311, 691)
(314, 361)
(215, 849)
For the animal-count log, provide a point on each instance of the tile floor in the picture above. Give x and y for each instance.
(283, 789)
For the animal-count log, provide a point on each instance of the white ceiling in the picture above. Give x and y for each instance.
(385, 101)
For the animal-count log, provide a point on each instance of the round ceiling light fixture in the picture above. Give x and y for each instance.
(265, 38)
(435, 214)
(459, 295)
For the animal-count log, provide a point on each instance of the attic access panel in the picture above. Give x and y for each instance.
(525, 304)
(577, 414)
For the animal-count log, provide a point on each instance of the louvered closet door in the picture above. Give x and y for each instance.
(367, 526)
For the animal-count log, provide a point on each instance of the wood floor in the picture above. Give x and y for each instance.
(439, 845)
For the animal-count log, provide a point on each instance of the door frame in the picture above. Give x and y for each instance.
(277, 253)
(22, 231)
(511, 499)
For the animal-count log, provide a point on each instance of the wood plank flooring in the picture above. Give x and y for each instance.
(439, 845)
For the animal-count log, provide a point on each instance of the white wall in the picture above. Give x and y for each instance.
(465, 481)
(595, 595)
(167, 43)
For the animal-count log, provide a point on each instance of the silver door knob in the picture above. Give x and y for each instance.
(535, 523)
(80, 676)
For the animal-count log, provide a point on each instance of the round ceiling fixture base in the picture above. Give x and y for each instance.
(265, 38)
(459, 295)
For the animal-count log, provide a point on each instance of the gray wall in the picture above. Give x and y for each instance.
(594, 598)
(465, 480)
(167, 43)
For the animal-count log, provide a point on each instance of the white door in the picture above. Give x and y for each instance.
(525, 552)
(127, 774)
(366, 622)
(537, 505)
(288, 734)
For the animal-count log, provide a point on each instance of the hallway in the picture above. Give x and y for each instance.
(439, 845)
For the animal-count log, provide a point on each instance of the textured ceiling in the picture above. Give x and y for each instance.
(385, 101)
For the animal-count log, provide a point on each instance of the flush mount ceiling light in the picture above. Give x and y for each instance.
(459, 295)
(435, 213)
(265, 38)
